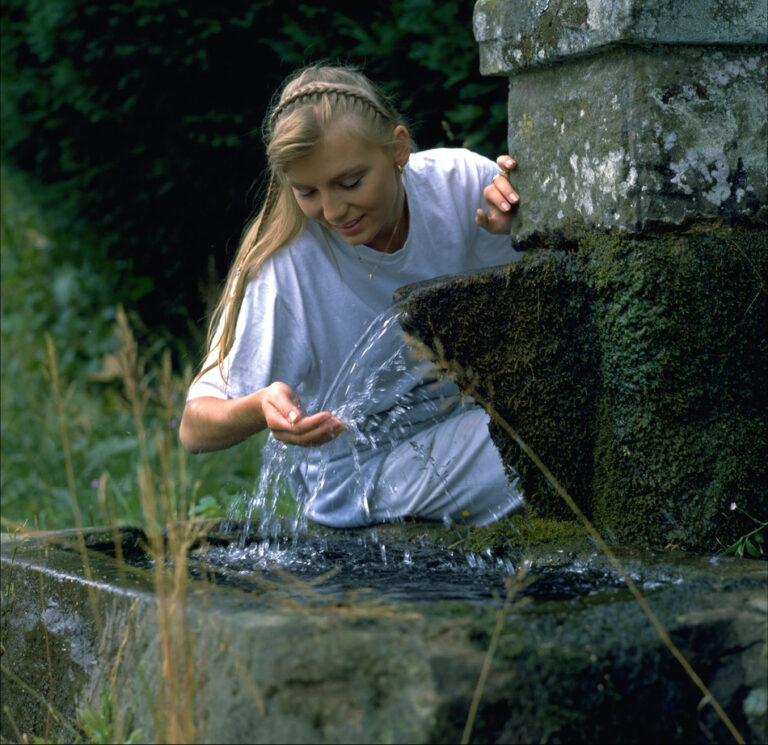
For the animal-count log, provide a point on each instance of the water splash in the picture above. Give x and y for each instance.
(384, 394)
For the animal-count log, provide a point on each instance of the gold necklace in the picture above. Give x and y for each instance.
(386, 250)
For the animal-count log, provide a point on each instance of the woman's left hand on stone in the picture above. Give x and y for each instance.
(501, 199)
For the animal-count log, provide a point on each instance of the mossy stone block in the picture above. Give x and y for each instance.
(681, 321)
(634, 367)
(522, 336)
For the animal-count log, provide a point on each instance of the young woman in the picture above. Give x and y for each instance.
(351, 215)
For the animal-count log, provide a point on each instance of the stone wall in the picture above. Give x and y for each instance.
(294, 665)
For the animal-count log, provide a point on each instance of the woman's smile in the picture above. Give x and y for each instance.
(351, 227)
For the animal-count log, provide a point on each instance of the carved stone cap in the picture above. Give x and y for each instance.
(515, 34)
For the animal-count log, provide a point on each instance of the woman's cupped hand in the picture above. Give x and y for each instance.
(290, 423)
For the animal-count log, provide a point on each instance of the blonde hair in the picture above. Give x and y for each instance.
(307, 105)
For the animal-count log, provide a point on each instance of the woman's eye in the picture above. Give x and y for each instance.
(306, 194)
(352, 184)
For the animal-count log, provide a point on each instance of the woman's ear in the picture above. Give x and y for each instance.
(402, 146)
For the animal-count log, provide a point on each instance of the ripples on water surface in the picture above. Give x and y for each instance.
(392, 570)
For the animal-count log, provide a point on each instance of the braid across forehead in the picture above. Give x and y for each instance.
(318, 94)
(316, 90)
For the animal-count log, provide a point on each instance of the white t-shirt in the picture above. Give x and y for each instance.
(304, 320)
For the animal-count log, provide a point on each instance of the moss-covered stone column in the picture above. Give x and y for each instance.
(629, 347)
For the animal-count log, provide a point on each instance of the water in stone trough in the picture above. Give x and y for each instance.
(409, 571)
(382, 393)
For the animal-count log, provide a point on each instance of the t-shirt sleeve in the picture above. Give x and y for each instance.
(270, 344)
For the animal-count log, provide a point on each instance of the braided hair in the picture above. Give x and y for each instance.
(311, 91)
(305, 108)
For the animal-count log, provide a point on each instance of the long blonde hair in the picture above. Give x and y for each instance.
(307, 105)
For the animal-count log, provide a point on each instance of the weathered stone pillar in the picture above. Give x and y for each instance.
(628, 347)
(629, 115)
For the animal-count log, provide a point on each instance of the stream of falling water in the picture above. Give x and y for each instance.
(383, 394)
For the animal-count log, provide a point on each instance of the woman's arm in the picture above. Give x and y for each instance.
(210, 423)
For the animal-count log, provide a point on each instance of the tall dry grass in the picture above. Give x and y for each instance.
(165, 496)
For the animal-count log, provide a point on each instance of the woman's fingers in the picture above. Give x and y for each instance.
(505, 196)
(506, 163)
(501, 199)
(501, 203)
(501, 194)
(311, 430)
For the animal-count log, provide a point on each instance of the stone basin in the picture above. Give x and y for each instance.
(287, 650)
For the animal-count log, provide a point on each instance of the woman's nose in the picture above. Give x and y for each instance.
(334, 208)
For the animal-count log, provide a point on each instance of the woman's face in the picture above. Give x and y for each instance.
(352, 187)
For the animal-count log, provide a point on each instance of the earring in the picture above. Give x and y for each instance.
(399, 168)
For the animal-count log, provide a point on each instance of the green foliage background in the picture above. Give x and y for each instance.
(146, 115)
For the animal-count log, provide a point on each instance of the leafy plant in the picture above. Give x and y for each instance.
(750, 544)
(103, 725)
(208, 507)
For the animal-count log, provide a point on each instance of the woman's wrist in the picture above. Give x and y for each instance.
(210, 423)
